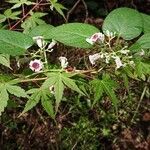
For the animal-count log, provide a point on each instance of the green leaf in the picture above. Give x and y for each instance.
(3, 99)
(105, 85)
(97, 89)
(125, 22)
(47, 105)
(33, 101)
(16, 90)
(73, 34)
(2, 18)
(14, 43)
(58, 90)
(71, 84)
(141, 43)
(109, 86)
(33, 21)
(12, 15)
(146, 22)
(142, 69)
(5, 60)
(40, 30)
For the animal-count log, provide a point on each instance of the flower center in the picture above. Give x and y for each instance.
(35, 65)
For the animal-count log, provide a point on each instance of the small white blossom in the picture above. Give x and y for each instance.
(110, 34)
(51, 88)
(118, 62)
(36, 65)
(39, 41)
(94, 58)
(64, 62)
(132, 63)
(52, 44)
(142, 53)
(95, 37)
(124, 51)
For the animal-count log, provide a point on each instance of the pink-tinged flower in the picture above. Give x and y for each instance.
(95, 37)
(36, 65)
(39, 41)
(94, 58)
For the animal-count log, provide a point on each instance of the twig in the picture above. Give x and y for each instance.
(71, 10)
(25, 15)
(86, 10)
(137, 108)
(33, 80)
(74, 7)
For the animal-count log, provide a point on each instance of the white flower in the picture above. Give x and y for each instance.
(64, 62)
(118, 62)
(51, 88)
(36, 65)
(95, 37)
(142, 53)
(39, 41)
(52, 44)
(124, 51)
(110, 34)
(94, 58)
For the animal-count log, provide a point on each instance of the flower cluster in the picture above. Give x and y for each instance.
(42, 43)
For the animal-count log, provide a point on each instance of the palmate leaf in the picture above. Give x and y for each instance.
(59, 81)
(37, 95)
(106, 85)
(142, 69)
(6, 87)
(33, 101)
(97, 89)
(71, 84)
(33, 21)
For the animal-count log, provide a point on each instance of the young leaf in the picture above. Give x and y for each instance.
(33, 21)
(14, 43)
(3, 99)
(125, 22)
(2, 18)
(59, 7)
(73, 34)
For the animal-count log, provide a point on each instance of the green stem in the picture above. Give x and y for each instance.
(137, 108)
